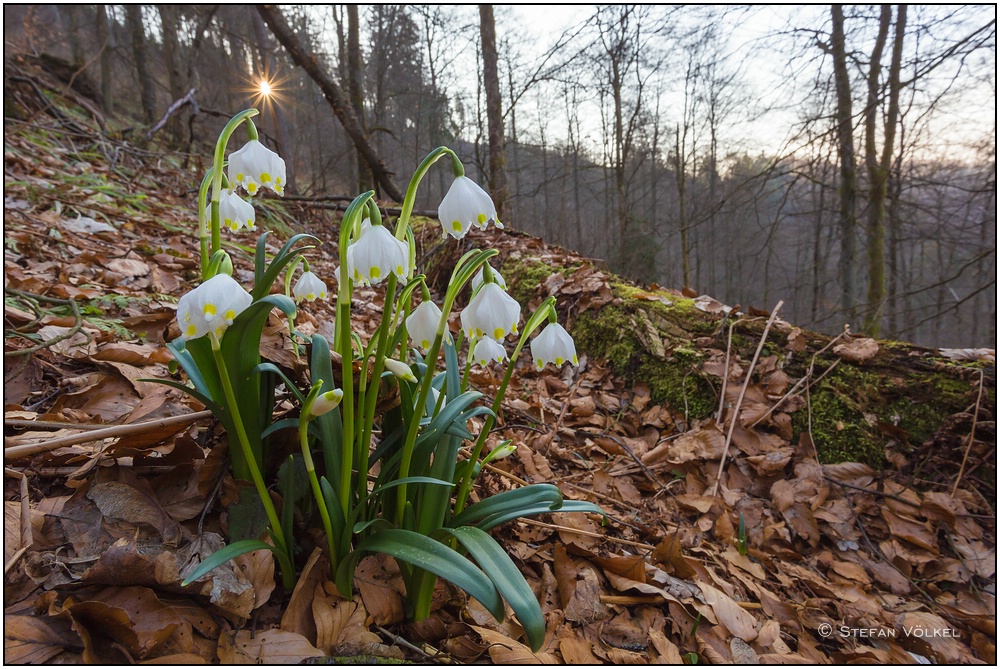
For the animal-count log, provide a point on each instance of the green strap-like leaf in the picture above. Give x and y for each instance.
(274, 369)
(505, 575)
(423, 552)
(529, 496)
(414, 480)
(224, 555)
(569, 506)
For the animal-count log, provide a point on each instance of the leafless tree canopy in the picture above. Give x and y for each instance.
(842, 159)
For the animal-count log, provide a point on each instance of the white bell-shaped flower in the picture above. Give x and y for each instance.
(326, 402)
(554, 345)
(375, 255)
(234, 212)
(190, 319)
(255, 166)
(309, 287)
(487, 350)
(491, 313)
(477, 280)
(422, 324)
(464, 205)
(211, 307)
(400, 370)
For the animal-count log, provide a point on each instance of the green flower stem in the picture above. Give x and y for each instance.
(468, 365)
(203, 222)
(217, 163)
(289, 274)
(411, 191)
(288, 575)
(343, 345)
(461, 275)
(324, 513)
(465, 487)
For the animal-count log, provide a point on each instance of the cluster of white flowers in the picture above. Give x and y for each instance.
(489, 318)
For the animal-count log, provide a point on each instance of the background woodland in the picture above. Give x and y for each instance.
(860, 188)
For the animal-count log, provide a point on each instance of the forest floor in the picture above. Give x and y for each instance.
(838, 563)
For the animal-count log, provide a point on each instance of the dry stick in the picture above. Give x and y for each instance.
(438, 656)
(27, 540)
(725, 378)
(972, 437)
(743, 391)
(96, 435)
(49, 424)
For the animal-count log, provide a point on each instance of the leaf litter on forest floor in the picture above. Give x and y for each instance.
(105, 543)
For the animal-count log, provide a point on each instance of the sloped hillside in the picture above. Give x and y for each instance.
(774, 495)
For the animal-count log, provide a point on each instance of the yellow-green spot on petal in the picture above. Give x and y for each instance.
(251, 188)
(481, 218)
(539, 363)
(265, 177)
(479, 333)
(456, 226)
(239, 177)
(374, 272)
(498, 333)
(191, 329)
(399, 270)
(277, 181)
(559, 361)
(210, 309)
(310, 297)
(322, 295)
(425, 344)
(576, 361)
(230, 315)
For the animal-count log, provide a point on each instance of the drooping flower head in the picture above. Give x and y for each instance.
(464, 205)
(422, 324)
(491, 313)
(375, 255)
(309, 287)
(555, 345)
(255, 166)
(487, 350)
(211, 307)
(234, 212)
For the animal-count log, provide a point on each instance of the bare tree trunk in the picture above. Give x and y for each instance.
(147, 92)
(171, 53)
(879, 166)
(680, 168)
(848, 165)
(494, 113)
(334, 96)
(356, 89)
(104, 39)
(72, 18)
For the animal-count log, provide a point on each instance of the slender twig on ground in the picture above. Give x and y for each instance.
(96, 435)
(972, 436)
(739, 401)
